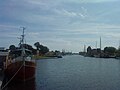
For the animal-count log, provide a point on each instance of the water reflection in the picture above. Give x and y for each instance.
(73, 73)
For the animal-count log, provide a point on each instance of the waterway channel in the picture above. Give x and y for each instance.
(74, 73)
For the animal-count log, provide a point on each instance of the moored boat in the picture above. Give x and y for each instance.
(20, 66)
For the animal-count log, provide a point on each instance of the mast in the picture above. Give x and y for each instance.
(23, 51)
(100, 43)
(100, 46)
(22, 42)
(23, 34)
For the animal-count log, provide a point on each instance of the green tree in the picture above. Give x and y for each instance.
(12, 47)
(89, 51)
(37, 45)
(29, 47)
(110, 50)
(117, 52)
(42, 49)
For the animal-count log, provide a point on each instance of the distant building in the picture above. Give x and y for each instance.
(2, 48)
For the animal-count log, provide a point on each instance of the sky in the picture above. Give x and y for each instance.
(60, 24)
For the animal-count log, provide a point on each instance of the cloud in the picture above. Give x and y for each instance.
(69, 13)
(60, 23)
(91, 1)
(52, 2)
(7, 27)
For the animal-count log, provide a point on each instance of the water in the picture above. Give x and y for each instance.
(74, 73)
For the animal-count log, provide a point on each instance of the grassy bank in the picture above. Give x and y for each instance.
(41, 57)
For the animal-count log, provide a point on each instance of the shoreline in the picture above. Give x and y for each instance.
(45, 57)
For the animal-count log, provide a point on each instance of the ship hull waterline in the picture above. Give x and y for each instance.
(20, 72)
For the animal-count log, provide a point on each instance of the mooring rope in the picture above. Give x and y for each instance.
(12, 77)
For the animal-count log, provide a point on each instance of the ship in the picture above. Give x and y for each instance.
(20, 65)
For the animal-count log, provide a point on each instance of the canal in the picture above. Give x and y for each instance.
(74, 73)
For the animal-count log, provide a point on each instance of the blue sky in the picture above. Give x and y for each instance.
(61, 24)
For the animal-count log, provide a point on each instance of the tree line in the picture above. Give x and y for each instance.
(39, 47)
(106, 52)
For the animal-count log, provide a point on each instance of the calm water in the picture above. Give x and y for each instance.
(74, 73)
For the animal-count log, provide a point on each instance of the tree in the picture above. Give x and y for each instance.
(110, 50)
(37, 45)
(12, 47)
(29, 47)
(118, 53)
(89, 49)
(42, 49)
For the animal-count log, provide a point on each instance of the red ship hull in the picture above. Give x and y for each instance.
(20, 71)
